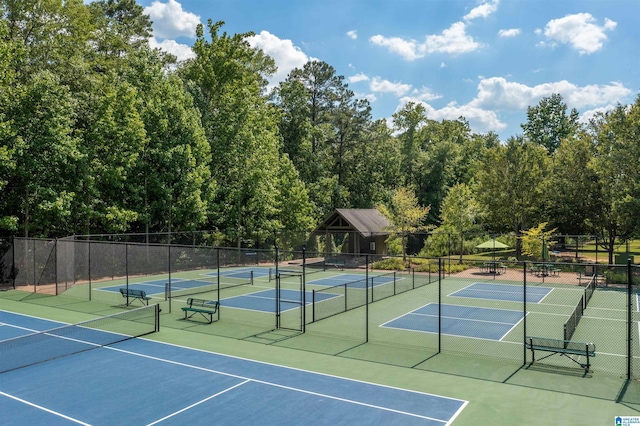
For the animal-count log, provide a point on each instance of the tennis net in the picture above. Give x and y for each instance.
(298, 269)
(589, 290)
(572, 322)
(67, 340)
(185, 287)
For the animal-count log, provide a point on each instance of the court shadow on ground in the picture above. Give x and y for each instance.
(629, 395)
(66, 303)
(566, 380)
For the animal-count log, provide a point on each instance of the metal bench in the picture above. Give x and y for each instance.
(135, 295)
(206, 308)
(563, 348)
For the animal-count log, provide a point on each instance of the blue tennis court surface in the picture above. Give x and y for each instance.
(354, 280)
(265, 301)
(466, 321)
(507, 292)
(144, 382)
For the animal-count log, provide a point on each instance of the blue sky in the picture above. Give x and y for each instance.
(484, 60)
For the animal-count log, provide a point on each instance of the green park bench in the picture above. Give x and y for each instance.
(206, 308)
(130, 293)
(563, 348)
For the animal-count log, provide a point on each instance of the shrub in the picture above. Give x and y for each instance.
(391, 264)
(613, 277)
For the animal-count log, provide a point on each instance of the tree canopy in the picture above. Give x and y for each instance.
(100, 133)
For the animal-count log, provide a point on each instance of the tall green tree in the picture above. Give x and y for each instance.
(172, 176)
(407, 121)
(511, 186)
(617, 141)
(459, 212)
(227, 80)
(548, 122)
(44, 182)
(406, 216)
(113, 142)
(573, 189)
(322, 124)
(8, 218)
(373, 170)
(442, 161)
(121, 28)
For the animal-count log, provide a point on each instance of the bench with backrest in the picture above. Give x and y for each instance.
(206, 308)
(563, 348)
(135, 295)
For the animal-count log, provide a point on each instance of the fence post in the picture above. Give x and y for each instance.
(439, 304)
(304, 289)
(35, 288)
(218, 271)
(126, 268)
(629, 317)
(89, 267)
(55, 263)
(366, 309)
(14, 272)
(524, 312)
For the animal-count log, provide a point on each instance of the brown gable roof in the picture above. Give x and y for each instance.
(367, 222)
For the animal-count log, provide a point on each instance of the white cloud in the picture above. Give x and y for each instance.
(352, 34)
(386, 86)
(284, 53)
(454, 40)
(512, 32)
(408, 49)
(368, 96)
(482, 11)
(424, 94)
(497, 94)
(579, 31)
(480, 120)
(500, 94)
(170, 20)
(181, 51)
(586, 116)
(358, 78)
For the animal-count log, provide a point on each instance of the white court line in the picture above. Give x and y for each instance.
(463, 318)
(463, 405)
(198, 403)
(245, 379)
(40, 407)
(384, 325)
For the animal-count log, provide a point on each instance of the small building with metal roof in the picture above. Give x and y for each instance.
(366, 230)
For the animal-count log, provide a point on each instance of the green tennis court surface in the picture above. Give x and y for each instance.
(482, 329)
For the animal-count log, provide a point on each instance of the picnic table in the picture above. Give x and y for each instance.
(545, 270)
(493, 267)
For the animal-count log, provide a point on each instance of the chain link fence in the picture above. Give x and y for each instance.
(395, 310)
